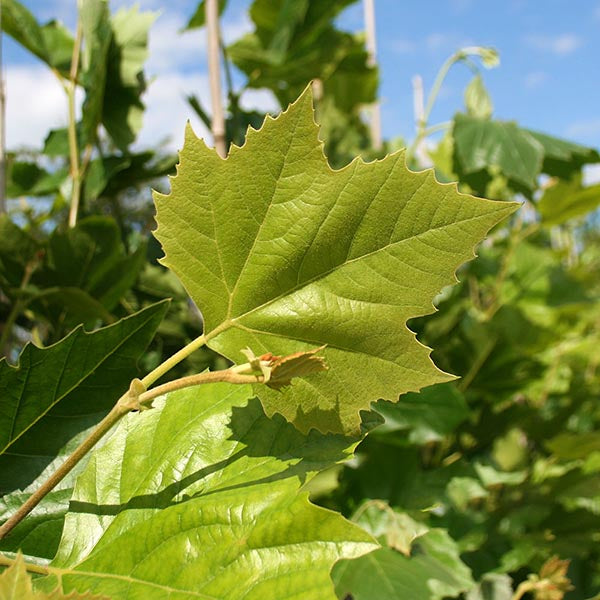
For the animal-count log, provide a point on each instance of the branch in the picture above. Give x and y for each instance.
(268, 369)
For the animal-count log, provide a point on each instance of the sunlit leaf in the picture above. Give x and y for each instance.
(208, 505)
(283, 254)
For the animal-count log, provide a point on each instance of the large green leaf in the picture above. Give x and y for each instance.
(561, 157)
(283, 254)
(481, 143)
(51, 42)
(125, 83)
(57, 392)
(428, 415)
(433, 571)
(199, 498)
(97, 35)
(39, 534)
(568, 199)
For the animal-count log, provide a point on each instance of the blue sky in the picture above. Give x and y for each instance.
(549, 77)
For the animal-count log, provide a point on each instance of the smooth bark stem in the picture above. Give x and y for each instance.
(73, 149)
(214, 71)
(370, 30)
(101, 430)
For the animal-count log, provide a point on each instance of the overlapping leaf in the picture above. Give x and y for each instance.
(283, 254)
(51, 42)
(199, 498)
(435, 571)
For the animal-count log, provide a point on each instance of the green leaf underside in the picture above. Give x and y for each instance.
(199, 498)
(282, 254)
(66, 371)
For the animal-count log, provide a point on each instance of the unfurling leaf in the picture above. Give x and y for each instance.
(552, 583)
(298, 364)
(281, 253)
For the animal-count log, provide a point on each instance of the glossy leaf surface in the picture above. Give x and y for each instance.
(199, 497)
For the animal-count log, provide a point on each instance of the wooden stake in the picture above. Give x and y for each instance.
(214, 71)
(375, 125)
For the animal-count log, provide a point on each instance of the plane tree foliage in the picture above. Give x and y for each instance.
(377, 371)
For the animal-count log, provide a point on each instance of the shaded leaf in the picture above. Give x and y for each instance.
(97, 35)
(566, 200)
(123, 109)
(28, 179)
(429, 415)
(493, 586)
(433, 571)
(391, 528)
(39, 533)
(561, 157)
(281, 254)
(17, 249)
(481, 143)
(52, 43)
(56, 392)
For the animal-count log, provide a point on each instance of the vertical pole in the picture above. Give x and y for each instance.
(375, 125)
(214, 71)
(71, 88)
(419, 112)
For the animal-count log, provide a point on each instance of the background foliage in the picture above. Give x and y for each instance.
(471, 486)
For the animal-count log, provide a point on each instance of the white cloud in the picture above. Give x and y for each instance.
(35, 103)
(584, 129)
(460, 5)
(447, 42)
(177, 66)
(535, 79)
(170, 50)
(560, 45)
(261, 100)
(435, 41)
(591, 174)
(403, 46)
(167, 110)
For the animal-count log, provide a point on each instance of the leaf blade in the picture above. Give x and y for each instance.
(275, 238)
